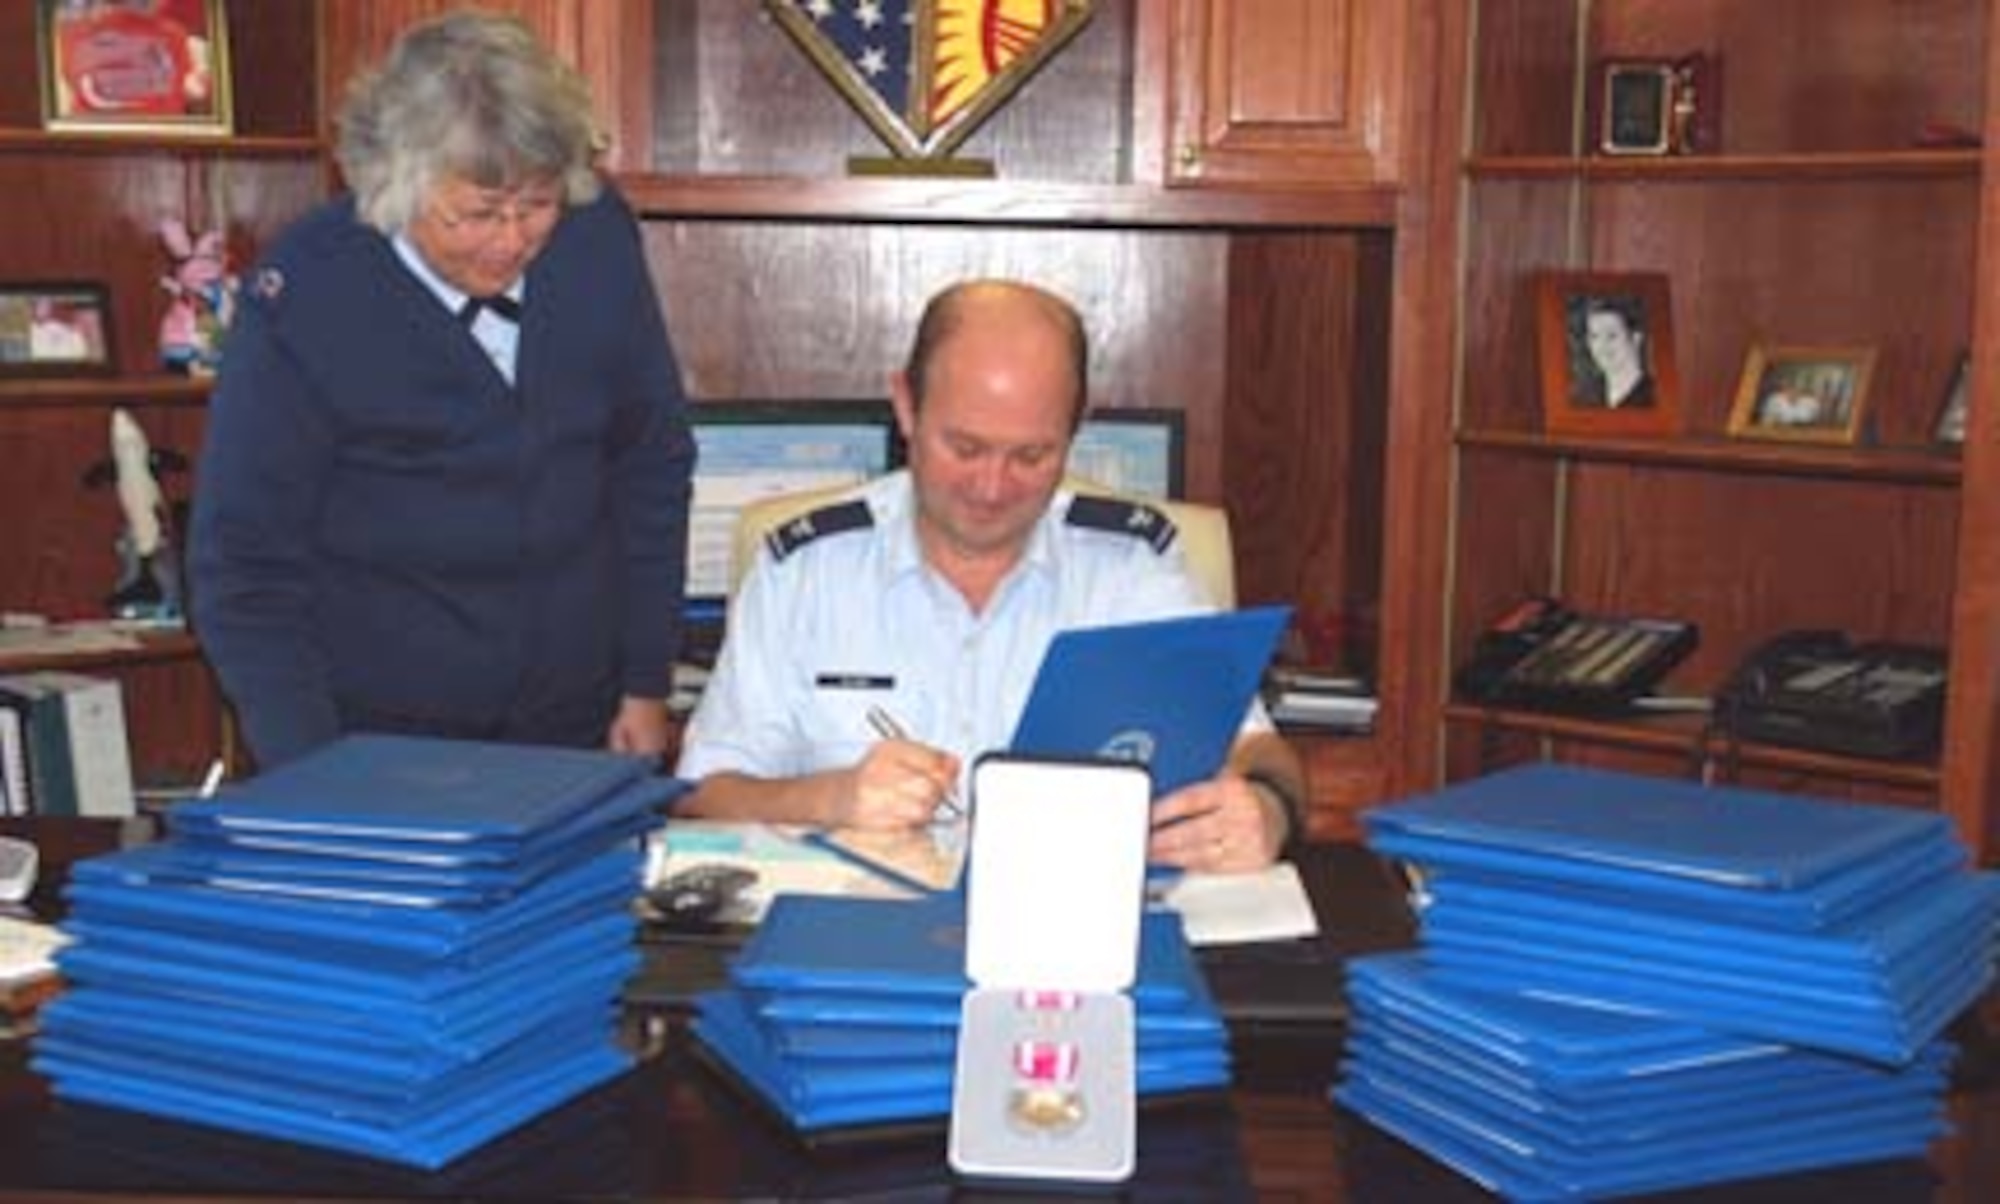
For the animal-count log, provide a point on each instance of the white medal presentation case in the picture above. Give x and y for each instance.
(1045, 1083)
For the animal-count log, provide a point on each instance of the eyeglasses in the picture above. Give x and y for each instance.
(528, 211)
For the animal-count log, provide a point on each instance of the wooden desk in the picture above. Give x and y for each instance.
(673, 1129)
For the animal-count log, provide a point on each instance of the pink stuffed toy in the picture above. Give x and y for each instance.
(203, 292)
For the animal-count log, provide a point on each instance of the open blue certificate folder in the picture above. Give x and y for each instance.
(1170, 693)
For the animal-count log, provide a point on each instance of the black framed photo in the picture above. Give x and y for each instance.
(134, 66)
(54, 329)
(1636, 106)
(1949, 427)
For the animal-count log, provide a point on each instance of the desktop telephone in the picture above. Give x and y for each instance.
(1543, 655)
(1821, 690)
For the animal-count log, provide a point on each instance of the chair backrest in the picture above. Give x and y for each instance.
(1204, 534)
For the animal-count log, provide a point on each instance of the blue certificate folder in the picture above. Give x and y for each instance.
(407, 795)
(913, 950)
(1840, 926)
(888, 976)
(1542, 1100)
(400, 948)
(1171, 693)
(1670, 838)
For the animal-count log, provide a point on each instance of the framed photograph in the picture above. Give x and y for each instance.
(60, 329)
(1606, 350)
(1949, 428)
(1635, 104)
(1805, 394)
(1657, 106)
(134, 66)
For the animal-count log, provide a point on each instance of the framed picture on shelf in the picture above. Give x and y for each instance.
(1635, 106)
(1605, 344)
(129, 67)
(1805, 394)
(1949, 429)
(58, 329)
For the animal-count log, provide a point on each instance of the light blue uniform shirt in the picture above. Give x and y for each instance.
(854, 619)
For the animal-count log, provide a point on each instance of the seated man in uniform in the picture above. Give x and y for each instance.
(932, 593)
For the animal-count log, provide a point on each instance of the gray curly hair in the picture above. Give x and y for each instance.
(474, 95)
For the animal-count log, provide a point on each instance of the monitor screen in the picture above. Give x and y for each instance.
(755, 450)
(1131, 451)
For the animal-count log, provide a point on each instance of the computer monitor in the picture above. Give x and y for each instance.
(751, 450)
(1131, 451)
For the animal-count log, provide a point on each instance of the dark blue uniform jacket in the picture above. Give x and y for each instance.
(388, 536)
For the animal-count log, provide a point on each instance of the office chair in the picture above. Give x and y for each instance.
(1204, 534)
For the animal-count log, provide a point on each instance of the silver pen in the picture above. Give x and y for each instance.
(888, 728)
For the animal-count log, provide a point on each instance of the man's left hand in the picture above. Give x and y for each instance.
(1221, 826)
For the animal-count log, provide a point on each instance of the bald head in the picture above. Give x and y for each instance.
(1001, 311)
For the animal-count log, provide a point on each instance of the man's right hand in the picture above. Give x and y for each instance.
(899, 784)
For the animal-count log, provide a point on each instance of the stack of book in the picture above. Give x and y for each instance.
(394, 947)
(1604, 956)
(844, 1012)
(1305, 698)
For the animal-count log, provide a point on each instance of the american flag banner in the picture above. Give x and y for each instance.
(924, 73)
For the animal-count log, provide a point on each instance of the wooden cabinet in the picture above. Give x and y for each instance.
(1300, 92)
(86, 207)
(1822, 219)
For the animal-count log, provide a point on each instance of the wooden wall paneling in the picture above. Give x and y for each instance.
(819, 311)
(20, 103)
(1499, 386)
(173, 719)
(1304, 420)
(1524, 77)
(610, 42)
(735, 96)
(1819, 75)
(1749, 556)
(274, 67)
(1887, 264)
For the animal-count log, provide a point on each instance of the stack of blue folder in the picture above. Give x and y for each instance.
(1628, 984)
(394, 947)
(844, 1012)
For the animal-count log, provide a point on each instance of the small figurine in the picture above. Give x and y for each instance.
(204, 300)
(149, 581)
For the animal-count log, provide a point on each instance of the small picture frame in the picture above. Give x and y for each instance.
(1803, 394)
(55, 329)
(1657, 106)
(134, 66)
(1949, 428)
(1605, 344)
(1635, 99)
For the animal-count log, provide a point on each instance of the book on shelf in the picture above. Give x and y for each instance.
(1322, 699)
(73, 758)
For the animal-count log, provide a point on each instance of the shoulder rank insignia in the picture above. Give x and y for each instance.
(1121, 517)
(827, 520)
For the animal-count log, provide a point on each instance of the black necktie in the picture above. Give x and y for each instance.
(501, 304)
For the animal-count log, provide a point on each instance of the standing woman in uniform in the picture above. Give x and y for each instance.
(446, 481)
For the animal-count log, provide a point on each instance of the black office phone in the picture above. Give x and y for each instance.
(1542, 655)
(1822, 690)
